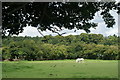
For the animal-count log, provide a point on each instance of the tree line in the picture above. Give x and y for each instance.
(88, 46)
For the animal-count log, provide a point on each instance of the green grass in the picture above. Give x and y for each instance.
(61, 69)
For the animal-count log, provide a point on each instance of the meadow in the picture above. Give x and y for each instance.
(61, 69)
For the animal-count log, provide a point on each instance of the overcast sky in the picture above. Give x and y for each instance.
(100, 29)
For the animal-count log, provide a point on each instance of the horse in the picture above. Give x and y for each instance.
(79, 60)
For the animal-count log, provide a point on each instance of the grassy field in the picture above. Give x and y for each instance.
(61, 69)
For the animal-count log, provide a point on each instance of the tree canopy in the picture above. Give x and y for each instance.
(61, 47)
(47, 15)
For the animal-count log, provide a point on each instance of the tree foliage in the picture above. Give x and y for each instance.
(47, 15)
(61, 47)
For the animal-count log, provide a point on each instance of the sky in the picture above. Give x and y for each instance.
(100, 29)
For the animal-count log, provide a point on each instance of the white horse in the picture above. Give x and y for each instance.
(79, 60)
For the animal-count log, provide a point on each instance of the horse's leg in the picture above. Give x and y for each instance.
(77, 61)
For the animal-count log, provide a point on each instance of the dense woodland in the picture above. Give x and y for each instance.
(88, 46)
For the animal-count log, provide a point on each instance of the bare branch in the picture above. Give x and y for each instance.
(17, 8)
(40, 32)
